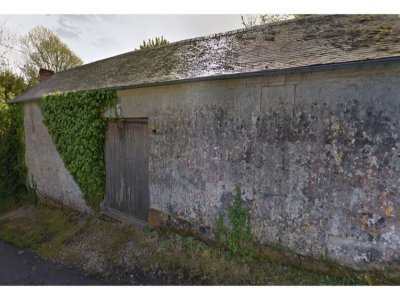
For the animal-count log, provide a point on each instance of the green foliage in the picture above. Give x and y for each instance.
(12, 168)
(222, 231)
(77, 126)
(43, 48)
(54, 226)
(158, 41)
(239, 217)
(161, 257)
(12, 84)
(237, 234)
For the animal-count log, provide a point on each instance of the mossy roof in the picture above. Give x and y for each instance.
(319, 40)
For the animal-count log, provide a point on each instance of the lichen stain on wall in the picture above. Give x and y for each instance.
(317, 158)
(45, 166)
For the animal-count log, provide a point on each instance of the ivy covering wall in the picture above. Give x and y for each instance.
(76, 124)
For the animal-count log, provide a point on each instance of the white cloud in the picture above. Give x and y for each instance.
(95, 37)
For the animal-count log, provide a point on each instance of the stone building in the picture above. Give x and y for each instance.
(302, 114)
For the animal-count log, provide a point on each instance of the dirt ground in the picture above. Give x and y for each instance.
(122, 254)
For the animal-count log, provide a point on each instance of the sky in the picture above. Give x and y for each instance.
(98, 36)
(95, 37)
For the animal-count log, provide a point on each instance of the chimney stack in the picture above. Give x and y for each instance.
(45, 74)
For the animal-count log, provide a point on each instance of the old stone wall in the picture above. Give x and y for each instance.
(46, 169)
(317, 155)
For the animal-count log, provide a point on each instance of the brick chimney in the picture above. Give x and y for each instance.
(45, 74)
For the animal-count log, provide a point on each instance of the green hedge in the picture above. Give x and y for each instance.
(77, 126)
(12, 168)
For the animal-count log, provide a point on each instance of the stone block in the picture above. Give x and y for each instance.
(359, 255)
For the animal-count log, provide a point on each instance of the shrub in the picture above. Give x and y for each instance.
(12, 168)
(237, 234)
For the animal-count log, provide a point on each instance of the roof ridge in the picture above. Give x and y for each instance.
(202, 38)
(318, 39)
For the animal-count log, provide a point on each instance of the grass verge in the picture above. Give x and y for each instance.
(126, 255)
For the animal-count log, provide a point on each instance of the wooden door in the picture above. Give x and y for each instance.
(127, 188)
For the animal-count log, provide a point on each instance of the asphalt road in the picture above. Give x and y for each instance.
(25, 267)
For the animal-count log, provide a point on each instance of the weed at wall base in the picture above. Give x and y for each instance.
(236, 236)
(32, 191)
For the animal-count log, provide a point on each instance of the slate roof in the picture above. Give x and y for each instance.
(294, 43)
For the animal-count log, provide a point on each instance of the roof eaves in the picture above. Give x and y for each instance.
(309, 68)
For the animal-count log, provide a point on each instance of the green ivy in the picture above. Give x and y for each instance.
(237, 234)
(77, 126)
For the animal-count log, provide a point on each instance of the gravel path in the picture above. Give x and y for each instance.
(25, 267)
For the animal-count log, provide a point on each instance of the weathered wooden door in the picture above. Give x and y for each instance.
(127, 188)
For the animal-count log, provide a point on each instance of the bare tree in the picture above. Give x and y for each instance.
(7, 42)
